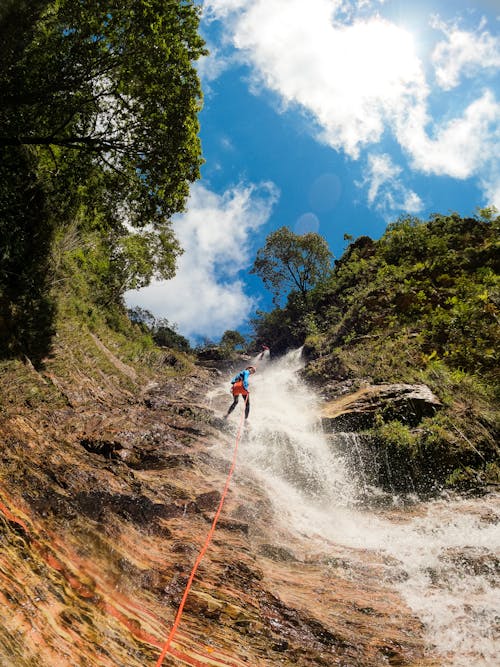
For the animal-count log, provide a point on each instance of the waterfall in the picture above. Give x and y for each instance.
(285, 444)
(447, 552)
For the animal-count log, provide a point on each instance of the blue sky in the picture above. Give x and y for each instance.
(335, 116)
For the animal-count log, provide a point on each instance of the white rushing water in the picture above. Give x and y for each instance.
(447, 554)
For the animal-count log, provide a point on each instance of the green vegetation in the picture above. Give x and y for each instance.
(98, 146)
(435, 283)
(98, 355)
(421, 304)
(161, 331)
(291, 260)
(232, 346)
(232, 343)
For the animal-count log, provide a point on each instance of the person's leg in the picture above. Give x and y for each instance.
(247, 405)
(233, 404)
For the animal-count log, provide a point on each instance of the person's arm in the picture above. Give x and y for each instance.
(246, 375)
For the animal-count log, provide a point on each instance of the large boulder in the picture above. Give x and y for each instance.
(357, 411)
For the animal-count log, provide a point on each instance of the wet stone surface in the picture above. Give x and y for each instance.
(104, 511)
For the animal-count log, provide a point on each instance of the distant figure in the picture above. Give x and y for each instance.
(240, 388)
(264, 350)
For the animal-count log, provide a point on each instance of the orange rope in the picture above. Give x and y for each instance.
(203, 549)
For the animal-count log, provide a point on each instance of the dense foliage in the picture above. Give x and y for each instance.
(437, 280)
(98, 145)
(161, 331)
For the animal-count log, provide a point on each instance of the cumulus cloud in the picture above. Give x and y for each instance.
(463, 53)
(220, 9)
(459, 148)
(359, 79)
(350, 76)
(386, 190)
(206, 297)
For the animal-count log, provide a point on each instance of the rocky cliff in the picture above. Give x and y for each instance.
(108, 485)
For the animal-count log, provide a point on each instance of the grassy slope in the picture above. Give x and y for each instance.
(90, 358)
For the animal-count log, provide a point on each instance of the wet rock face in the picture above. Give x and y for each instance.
(358, 410)
(472, 560)
(103, 510)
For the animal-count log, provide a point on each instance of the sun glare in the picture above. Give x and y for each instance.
(386, 54)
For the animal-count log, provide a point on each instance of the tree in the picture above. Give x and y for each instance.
(108, 96)
(143, 317)
(162, 332)
(98, 118)
(166, 335)
(230, 341)
(292, 261)
(26, 305)
(115, 82)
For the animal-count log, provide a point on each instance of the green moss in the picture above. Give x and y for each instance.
(398, 435)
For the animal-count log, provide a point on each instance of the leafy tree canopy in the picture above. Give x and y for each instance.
(437, 279)
(231, 340)
(162, 332)
(98, 145)
(114, 82)
(291, 261)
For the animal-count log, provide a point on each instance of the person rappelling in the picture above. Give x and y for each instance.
(239, 387)
(265, 350)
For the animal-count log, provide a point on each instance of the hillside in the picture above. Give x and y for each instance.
(421, 305)
(113, 461)
(113, 448)
(108, 482)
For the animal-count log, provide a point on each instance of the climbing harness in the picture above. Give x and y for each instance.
(203, 550)
(238, 389)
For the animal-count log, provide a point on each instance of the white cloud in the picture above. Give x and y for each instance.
(463, 53)
(210, 67)
(220, 9)
(460, 148)
(380, 170)
(206, 297)
(351, 78)
(226, 143)
(491, 188)
(386, 191)
(360, 80)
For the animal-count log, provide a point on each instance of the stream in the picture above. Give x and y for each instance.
(442, 555)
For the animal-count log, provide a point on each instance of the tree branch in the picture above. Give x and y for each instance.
(92, 143)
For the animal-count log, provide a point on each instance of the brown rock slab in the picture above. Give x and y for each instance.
(357, 411)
